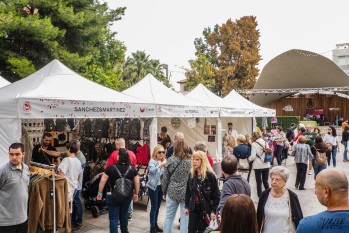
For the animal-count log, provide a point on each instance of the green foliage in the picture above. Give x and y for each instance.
(282, 121)
(138, 65)
(21, 66)
(233, 50)
(201, 71)
(76, 32)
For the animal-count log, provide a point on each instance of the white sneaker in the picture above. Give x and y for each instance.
(310, 172)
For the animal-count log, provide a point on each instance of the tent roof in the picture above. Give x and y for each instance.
(298, 69)
(3, 82)
(204, 95)
(53, 82)
(170, 103)
(241, 102)
(152, 90)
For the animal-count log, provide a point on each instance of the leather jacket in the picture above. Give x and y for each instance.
(209, 193)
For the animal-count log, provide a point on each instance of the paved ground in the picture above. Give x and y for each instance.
(140, 222)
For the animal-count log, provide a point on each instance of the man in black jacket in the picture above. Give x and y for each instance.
(39, 156)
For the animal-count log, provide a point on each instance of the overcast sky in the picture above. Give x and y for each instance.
(166, 29)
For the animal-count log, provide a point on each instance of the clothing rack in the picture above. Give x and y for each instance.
(54, 188)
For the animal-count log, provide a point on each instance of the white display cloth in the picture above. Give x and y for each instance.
(168, 102)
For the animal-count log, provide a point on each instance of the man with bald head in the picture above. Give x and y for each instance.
(179, 136)
(331, 189)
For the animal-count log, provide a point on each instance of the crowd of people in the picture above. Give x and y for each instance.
(184, 179)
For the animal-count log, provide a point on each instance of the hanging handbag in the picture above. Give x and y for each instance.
(243, 164)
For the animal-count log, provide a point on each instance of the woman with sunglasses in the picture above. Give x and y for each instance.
(156, 168)
(331, 140)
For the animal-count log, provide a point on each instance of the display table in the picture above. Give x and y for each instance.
(311, 123)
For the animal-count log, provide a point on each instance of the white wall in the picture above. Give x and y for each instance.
(242, 125)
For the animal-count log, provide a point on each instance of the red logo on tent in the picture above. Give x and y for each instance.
(26, 106)
(142, 109)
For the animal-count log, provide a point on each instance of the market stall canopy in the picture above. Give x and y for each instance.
(169, 103)
(244, 107)
(55, 91)
(297, 69)
(202, 94)
(3, 82)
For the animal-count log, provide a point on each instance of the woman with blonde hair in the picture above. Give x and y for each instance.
(239, 215)
(202, 194)
(231, 143)
(156, 169)
(174, 183)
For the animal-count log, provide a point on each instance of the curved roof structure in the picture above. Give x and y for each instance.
(297, 69)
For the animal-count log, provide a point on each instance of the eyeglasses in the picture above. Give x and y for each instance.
(161, 152)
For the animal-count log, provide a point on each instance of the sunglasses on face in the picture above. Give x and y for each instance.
(161, 152)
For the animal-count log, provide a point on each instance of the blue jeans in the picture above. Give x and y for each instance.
(317, 168)
(116, 212)
(77, 208)
(130, 208)
(334, 154)
(155, 200)
(345, 153)
(171, 209)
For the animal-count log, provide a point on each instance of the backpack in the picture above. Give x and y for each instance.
(122, 190)
(49, 124)
(61, 125)
(97, 127)
(87, 128)
(268, 156)
(105, 129)
(320, 157)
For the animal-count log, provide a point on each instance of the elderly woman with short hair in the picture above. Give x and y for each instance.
(302, 154)
(278, 207)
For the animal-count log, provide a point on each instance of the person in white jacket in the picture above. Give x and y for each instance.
(260, 168)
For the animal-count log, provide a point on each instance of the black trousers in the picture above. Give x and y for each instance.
(261, 175)
(279, 154)
(197, 223)
(20, 228)
(301, 174)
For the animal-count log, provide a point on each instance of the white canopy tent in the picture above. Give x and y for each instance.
(240, 102)
(235, 109)
(3, 82)
(170, 104)
(55, 91)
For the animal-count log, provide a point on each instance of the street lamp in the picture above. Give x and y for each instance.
(165, 66)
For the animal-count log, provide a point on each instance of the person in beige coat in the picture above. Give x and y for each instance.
(260, 168)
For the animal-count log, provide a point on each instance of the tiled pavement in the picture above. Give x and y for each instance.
(140, 222)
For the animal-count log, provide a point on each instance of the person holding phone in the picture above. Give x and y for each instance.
(156, 169)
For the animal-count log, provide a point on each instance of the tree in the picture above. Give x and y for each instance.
(233, 50)
(138, 65)
(201, 71)
(33, 32)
